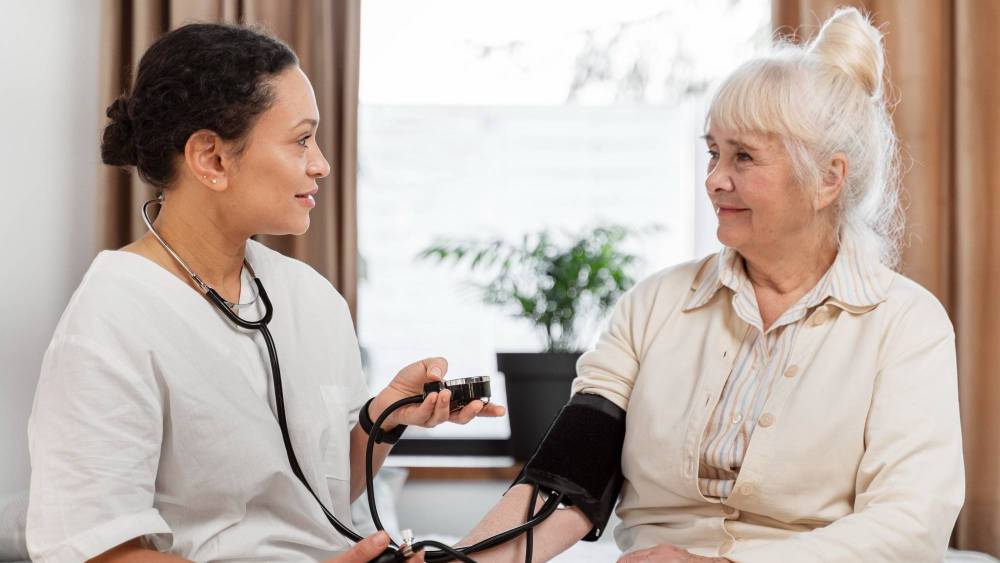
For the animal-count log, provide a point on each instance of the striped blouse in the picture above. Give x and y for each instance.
(763, 356)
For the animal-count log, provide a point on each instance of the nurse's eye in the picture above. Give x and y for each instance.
(302, 141)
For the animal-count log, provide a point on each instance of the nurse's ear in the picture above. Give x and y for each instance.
(207, 157)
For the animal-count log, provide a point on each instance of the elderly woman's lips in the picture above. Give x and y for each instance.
(730, 210)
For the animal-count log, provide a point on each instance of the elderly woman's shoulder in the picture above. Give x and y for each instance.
(908, 301)
(676, 278)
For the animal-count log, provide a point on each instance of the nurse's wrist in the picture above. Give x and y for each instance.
(384, 436)
(375, 409)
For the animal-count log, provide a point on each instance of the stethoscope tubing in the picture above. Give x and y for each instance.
(445, 552)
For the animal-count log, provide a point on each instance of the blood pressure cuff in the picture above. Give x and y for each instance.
(580, 457)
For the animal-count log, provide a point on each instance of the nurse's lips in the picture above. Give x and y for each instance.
(307, 198)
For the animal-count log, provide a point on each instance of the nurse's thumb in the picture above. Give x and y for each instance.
(365, 550)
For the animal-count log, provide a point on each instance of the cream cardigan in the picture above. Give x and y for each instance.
(861, 462)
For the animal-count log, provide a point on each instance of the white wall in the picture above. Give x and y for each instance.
(49, 153)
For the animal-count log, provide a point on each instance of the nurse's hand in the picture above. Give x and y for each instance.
(434, 409)
(368, 549)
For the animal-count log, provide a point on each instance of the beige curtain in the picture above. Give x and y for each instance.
(325, 34)
(941, 56)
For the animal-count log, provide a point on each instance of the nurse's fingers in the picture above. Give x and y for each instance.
(425, 410)
(441, 409)
(435, 367)
(467, 413)
(492, 410)
(364, 551)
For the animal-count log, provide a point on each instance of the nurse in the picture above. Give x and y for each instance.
(155, 434)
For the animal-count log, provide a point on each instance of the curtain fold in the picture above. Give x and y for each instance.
(326, 36)
(940, 56)
(977, 264)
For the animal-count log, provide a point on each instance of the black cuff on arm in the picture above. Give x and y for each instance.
(580, 457)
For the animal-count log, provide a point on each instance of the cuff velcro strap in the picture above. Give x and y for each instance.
(382, 436)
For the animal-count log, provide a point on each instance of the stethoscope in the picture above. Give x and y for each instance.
(407, 548)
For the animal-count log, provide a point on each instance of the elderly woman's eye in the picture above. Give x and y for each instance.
(743, 157)
(712, 155)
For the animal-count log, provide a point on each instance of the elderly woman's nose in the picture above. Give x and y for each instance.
(718, 179)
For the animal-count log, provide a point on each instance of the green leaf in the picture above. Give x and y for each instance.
(549, 281)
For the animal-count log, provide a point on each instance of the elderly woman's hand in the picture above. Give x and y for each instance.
(435, 408)
(665, 553)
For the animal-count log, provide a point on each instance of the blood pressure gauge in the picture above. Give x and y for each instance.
(463, 391)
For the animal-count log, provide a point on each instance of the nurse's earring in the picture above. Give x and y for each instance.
(214, 180)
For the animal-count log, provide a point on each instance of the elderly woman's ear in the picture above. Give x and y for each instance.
(832, 182)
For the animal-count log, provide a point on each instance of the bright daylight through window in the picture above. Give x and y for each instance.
(496, 119)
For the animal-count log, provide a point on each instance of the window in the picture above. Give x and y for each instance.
(499, 117)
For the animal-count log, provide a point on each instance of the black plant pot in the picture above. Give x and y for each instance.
(538, 385)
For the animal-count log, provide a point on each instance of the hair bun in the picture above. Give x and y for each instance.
(849, 42)
(118, 142)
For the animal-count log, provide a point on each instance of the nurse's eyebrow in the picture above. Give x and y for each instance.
(309, 120)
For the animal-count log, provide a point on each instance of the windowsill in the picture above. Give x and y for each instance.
(456, 468)
(451, 447)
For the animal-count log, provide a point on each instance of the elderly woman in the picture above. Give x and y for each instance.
(791, 398)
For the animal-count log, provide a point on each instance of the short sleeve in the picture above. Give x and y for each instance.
(350, 372)
(94, 437)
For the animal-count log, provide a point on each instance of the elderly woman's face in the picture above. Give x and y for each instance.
(754, 191)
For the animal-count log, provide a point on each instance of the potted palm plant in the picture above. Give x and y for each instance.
(554, 283)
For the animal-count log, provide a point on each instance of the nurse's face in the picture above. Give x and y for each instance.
(273, 184)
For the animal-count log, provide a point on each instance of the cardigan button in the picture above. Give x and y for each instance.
(766, 420)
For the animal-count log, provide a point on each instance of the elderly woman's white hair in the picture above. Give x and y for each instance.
(823, 98)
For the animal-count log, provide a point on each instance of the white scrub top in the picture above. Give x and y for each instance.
(154, 416)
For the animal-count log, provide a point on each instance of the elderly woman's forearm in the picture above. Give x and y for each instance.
(553, 536)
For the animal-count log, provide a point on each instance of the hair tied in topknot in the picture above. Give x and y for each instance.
(118, 144)
(849, 42)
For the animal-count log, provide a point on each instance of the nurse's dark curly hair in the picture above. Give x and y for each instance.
(200, 76)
